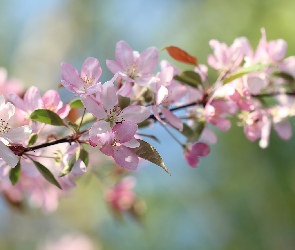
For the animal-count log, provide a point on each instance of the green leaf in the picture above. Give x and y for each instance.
(14, 174)
(148, 152)
(190, 78)
(193, 134)
(285, 76)
(46, 174)
(76, 104)
(32, 139)
(84, 156)
(47, 116)
(144, 124)
(244, 71)
(123, 101)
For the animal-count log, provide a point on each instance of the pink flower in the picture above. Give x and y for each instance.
(33, 100)
(8, 134)
(215, 113)
(132, 66)
(121, 196)
(167, 92)
(106, 106)
(192, 154)
(116, 142)
(257, 126)
(227, 58)
(86, 83)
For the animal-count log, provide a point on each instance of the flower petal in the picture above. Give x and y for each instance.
(33, 99)
(148, 60)
(172, 119)
(125, 131)
(114, 67)
(134, 113)
(125, 157)
(79, 168)
(108, 96)
(71, 76)
(7, 155)
(91, 69)
(93, 106)
(17, 134)
(124, 55)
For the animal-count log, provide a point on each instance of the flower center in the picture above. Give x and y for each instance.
(113, 115)
(50, 107)
(4, 126)
(132, 72)
(87, 81)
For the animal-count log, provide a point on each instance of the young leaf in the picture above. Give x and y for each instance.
(181, 55)
(148, 152)
(14, 174)
(76, 104)
(47, 116)
(32, 139)
(244, 71)
(46, 174)
(190, 78)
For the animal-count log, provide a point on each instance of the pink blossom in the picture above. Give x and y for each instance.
(86, 82)
(227, 58)
(215, 113)
(167, 92)
(116, 142)
(8, 134)
(33, 100)
(258, 126)
(132, 66)
(192, 153)
(106, 106)
(121, 196)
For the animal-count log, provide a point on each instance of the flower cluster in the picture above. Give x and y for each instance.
(44, 149)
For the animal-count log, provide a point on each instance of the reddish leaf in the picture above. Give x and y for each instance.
(181, 55)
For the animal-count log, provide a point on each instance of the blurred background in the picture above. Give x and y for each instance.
(240, 196)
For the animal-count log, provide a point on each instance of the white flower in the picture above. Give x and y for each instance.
(8, 134)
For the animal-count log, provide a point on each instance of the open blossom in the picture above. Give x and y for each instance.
(215, 113)
(33, 100)
(84, 83)
(132, 66)
(106, 106)
(227, 58)
(192, 153)
(8, 134)
(116, 142)
(167, 93)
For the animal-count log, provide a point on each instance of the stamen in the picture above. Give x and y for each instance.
(4, 126)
